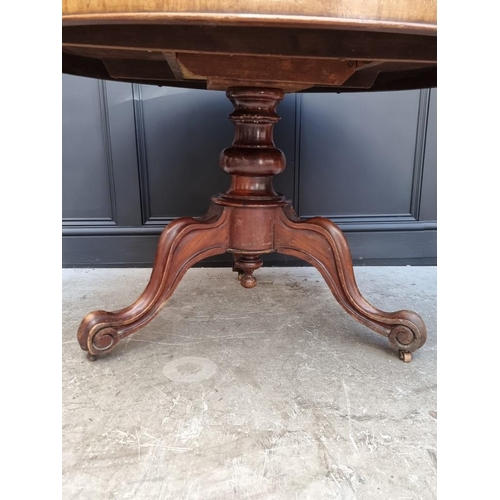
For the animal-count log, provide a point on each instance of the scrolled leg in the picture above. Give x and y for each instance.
(406, 340)
(183, 243)
(320, 242)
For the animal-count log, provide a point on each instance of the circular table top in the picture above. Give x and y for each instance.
(296, 45)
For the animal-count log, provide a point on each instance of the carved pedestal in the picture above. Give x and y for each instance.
(251, 219)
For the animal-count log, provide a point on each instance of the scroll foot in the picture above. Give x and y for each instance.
(321, 243)
(183, 243)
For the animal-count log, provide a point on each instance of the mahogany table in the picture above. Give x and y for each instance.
(256, 51)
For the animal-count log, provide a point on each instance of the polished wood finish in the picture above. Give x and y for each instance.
(394, 14)
(251, 219)
(321, 243)
(245, 265)
(276, 47)
(182, 244)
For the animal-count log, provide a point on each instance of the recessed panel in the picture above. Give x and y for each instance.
(85, 167)
(357, 153)
(428, 202)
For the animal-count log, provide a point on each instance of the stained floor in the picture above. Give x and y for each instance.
(271, 393)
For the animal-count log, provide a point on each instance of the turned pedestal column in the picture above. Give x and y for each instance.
(248, 220)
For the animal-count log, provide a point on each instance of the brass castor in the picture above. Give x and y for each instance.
(405, 356)
(91, 357)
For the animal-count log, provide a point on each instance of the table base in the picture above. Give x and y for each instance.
(249, 220)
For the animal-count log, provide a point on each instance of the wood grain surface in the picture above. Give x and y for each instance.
(295, 45)
(388, 12)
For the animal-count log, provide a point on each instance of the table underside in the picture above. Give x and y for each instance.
(295, 58)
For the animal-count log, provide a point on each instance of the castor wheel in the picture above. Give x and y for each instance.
(91, 357)
(405, 356)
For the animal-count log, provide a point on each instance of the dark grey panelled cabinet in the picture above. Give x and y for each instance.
(136, 157)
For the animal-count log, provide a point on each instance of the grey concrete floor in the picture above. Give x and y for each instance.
(269, 393)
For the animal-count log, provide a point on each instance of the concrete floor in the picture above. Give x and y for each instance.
(269, 393)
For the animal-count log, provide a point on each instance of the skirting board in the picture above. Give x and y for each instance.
(367, 248)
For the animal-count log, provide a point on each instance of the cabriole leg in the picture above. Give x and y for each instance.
(320, 242)
(182, 244)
